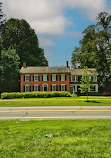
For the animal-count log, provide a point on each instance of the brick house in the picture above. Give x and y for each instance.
(41, 78)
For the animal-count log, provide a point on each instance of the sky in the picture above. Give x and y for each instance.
(58, 23)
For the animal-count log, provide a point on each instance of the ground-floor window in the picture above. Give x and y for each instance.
(36, 88)
(45, 87)
(27, 88)
(53, 87)
(63, 87)
(93, 88)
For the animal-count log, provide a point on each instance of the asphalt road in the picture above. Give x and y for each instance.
(55, 112)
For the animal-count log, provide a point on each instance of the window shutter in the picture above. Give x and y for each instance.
(38, 88)
(24, 87)
(92, 78)
(29, 78)
(33, 88)
(33, 78)
(30, 88)
(56, 77)
(65, 77)
(65, 88)
(79, 78)
(60, 87)
(38, 78)
(51, 77)
(42, 77)
(24, 78)
(60, 77)
(51, 88)
(47, 78)
(56, 88)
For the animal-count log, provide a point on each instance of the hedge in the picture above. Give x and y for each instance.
(5, 95)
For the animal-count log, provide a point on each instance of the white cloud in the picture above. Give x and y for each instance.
(76, 34)
(48, 16)
(48, 52)
(45, 42)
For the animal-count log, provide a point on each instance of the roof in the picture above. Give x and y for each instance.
(64, 69)
(79, 72)
(46, 69)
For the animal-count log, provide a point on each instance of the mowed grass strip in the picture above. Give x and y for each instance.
(51, 102)
(73, 139)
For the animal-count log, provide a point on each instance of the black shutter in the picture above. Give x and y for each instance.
(92, 78)
(60, 87)
(24, 88)
(51, 88)
(38, 78)
(30, 88)
(51, 77)
(42, 77)
(60, 77)
(47, 78)
(29, 78)
(33, 88)
(56, 88)
(65, 88)
(56, 77)
(65, 77)
(24, 78)
(38, 88)
(79, 78)
(33, 78)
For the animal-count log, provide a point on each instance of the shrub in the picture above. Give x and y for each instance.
(34, 95)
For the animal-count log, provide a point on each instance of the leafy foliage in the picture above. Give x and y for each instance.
(35, 95)
(9, 70)
(95, 47)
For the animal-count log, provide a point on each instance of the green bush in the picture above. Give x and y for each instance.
(34, 95)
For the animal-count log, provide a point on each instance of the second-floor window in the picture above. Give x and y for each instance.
(94, 78)
(44, 77)
(36, 78)
(74, 78)
(27, 77)
(53, 77)
(62, 77)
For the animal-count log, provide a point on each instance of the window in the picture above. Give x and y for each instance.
(53, 77)
(94, 78)
(54, 87)
(45, 87)
(62, 87)
(36, 78)
(45, 77)
(93, 88)
(36, 88)
(74, 78)
(62, 77)
(27, 88)
(27, 78)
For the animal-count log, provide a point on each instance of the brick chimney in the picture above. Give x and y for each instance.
(24, 64)
(67, 63)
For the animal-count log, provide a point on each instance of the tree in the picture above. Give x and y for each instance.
(1, 18)
(85, 82)
(95, 48)
(19, 35)
(9, 70)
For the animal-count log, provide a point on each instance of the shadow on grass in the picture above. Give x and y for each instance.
(94, 101)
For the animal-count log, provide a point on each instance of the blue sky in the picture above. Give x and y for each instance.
(58, 23)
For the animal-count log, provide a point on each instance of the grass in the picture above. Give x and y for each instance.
(56, 102)
(73, 139)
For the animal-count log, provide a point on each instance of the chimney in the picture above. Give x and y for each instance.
(78, 67)
(24, 64)
(67, 63)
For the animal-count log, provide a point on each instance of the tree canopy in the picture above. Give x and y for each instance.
(95, 47)
(19, 35)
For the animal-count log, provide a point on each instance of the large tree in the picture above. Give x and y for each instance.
(19, 35)
(9, 71)
(95, 47)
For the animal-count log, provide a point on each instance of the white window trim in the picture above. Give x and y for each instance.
(62, 76)
(43, 87)
(26, 86)
(34, 77)
(95, 78)
(52, 87)
(34, 87)
(26, 76)
(54, 75)
(76, 78)
(61, 87)
(96, 88)
(44, 75)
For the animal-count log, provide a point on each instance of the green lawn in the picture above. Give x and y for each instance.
(73, 139)
(56, 102)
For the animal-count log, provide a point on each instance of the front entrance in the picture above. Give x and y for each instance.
(45, 87)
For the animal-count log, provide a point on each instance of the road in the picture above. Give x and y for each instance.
(55, 112)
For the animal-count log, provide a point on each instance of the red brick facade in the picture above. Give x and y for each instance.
(58, 82)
